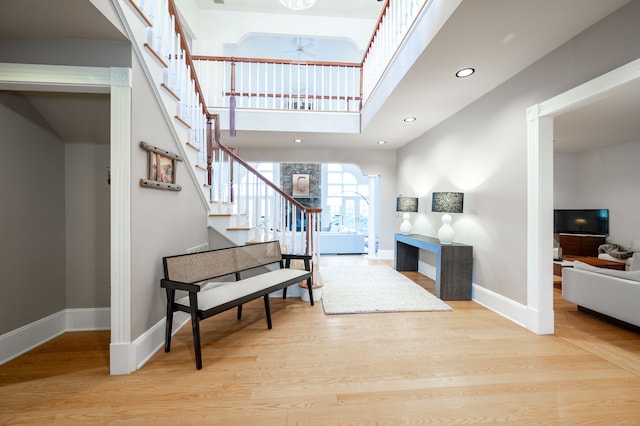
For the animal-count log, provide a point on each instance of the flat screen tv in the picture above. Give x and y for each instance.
(594, 222)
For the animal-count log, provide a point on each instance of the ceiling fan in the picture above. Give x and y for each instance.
(301, 47)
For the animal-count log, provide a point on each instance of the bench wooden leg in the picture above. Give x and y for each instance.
(171, 295)
(310, 287)
(239, 312)
(267, 310)
(195, 327)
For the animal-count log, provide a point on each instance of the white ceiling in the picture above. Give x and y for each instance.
(609, 121)
(498, 45)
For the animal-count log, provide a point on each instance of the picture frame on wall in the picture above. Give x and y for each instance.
(300, 185)
(161, 168)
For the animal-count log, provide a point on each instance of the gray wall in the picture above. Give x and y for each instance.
(602, 178)
(482, 151)
(163, 223)
(87, 226)
(94, 53)
(32, 217)
(55, 227)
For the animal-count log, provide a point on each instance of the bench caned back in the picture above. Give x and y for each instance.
(196, 267)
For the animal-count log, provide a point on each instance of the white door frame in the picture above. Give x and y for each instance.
(540, 186)
(117, 83)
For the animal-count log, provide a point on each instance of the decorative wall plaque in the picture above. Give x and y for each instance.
(161, 168)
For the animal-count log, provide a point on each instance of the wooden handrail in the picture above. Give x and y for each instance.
(385, 8)
(183, 45)
(254, 171)
(383, 13)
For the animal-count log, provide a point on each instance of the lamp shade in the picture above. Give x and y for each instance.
(447, 202)
(407, 204)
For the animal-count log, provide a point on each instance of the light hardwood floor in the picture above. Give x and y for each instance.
(465, 366)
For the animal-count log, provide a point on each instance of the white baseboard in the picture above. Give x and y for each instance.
(23, 339)
(88, 319)
(152, 340)
(122, 358)
(501, 305)
(427, 269)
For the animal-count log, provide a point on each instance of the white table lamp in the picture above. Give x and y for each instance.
(406, 205)
(447, 202)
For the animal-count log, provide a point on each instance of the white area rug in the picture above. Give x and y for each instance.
(367, 289)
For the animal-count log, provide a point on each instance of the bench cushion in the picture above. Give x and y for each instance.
(218, 294)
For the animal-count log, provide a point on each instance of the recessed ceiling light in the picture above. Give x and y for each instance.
(465, 72)
(297, 140)
(381, 142)
(409, 119)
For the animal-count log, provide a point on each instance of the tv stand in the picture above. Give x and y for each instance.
(581, 245)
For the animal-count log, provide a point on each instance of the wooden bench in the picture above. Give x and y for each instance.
(266, 269)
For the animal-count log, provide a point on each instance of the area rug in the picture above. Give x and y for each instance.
(369, 289)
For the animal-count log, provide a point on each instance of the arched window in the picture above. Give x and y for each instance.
(346, 205)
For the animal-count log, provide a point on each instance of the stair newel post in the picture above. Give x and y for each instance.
(232, 101)
(314, 251)
(209, 142)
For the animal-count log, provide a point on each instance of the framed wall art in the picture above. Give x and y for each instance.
(161, 168)
(300, 185)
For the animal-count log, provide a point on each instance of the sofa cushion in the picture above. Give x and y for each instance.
(627, 275)
(605, 256)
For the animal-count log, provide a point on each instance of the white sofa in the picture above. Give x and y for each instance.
(606, 291)
(341, 243)
(334, 242)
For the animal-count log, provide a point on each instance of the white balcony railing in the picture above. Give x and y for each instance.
(396, 19)
(279, 84)
(318, 86)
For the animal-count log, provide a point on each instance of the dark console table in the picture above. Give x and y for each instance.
(454, 263)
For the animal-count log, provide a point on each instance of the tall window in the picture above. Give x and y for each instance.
(262, 205)
(345, 194)
(346, 204)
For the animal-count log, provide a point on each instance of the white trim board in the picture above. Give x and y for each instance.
(117, 82)
(501, 305)
(22, 340)
(539, 318)
(152, 340)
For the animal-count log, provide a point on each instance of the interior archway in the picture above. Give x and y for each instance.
(540, 185)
